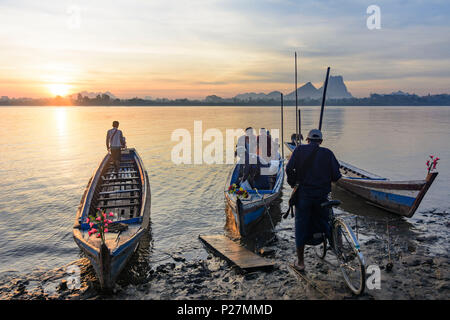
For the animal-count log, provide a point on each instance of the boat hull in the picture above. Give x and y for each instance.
(109, 259)
(248, 213)
(398, 197)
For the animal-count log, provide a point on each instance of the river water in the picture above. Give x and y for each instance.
(47, 155)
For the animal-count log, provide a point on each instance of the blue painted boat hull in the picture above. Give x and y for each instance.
(248, 213)
(399, 197)
(110, 258)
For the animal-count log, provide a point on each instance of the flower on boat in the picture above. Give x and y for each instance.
(431, 164)
(240, 192)
(99, 224)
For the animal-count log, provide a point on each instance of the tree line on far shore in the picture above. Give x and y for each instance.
(106, 100)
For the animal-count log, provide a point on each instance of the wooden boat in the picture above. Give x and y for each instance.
(248, 212)
(399, 197)
(125, 193)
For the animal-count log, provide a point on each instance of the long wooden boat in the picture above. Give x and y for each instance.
(248, 212)
(399, 197)
(125, 193)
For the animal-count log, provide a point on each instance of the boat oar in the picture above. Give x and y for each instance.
(324, 98)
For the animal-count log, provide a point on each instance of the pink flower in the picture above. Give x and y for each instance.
(106, 230)
(106, 224)
(111, 214)
(87, 220)
(91, 224)
(109, 221)
(98, 219)
(98, 235)
(431, 156)
(90, 232)
(94, 230)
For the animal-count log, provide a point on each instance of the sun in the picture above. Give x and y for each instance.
(59, 89)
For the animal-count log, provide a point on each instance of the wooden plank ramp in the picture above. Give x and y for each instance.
(243, 258)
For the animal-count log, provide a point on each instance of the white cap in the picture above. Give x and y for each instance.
(315, 134)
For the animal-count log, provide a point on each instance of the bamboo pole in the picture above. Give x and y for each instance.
(324, 98)
(282, 128)
(296, 97)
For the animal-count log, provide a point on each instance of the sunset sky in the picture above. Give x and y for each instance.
(176, 49)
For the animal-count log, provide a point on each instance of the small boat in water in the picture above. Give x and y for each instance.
(127, 195)
(249, 211)
(399, 197)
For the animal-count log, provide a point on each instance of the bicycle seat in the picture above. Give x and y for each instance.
(331, 203)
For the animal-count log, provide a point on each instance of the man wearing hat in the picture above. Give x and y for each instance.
(312, 168)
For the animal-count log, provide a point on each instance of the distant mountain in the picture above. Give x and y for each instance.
(258, 96)
(400, 93)
(307, 91)
(336, 90)
(92, 95)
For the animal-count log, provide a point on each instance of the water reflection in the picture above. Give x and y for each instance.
(137, 271)
(61, 120)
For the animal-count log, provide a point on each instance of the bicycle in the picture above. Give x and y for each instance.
(344, 244)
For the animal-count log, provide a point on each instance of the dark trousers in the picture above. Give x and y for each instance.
(115, 154)
(310, 218)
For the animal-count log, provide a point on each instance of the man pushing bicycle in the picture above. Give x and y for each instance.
(310, 171)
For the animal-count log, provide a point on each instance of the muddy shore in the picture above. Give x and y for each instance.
(419, 256)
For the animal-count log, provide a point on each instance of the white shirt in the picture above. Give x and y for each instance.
(116, 141)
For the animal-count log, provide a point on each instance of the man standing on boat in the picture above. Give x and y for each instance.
(310, 172)
(114, 142)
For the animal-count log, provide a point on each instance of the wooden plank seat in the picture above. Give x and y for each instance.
(116, 198)
(119, 184)
(120, 172)
(119, 191)
(120, 179)
(109, 206)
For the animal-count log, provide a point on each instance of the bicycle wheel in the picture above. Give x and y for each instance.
(350, 258)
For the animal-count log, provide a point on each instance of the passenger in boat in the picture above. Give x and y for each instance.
(296, 139)
(313, 168)
(246, 150)
(114, 142)
(264, 143)
(254, 174)
(246, 145)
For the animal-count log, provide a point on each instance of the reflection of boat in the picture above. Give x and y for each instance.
(126, 194)
(248, 212)
(399, 197)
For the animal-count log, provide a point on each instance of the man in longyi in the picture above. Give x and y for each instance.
(114, 142)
